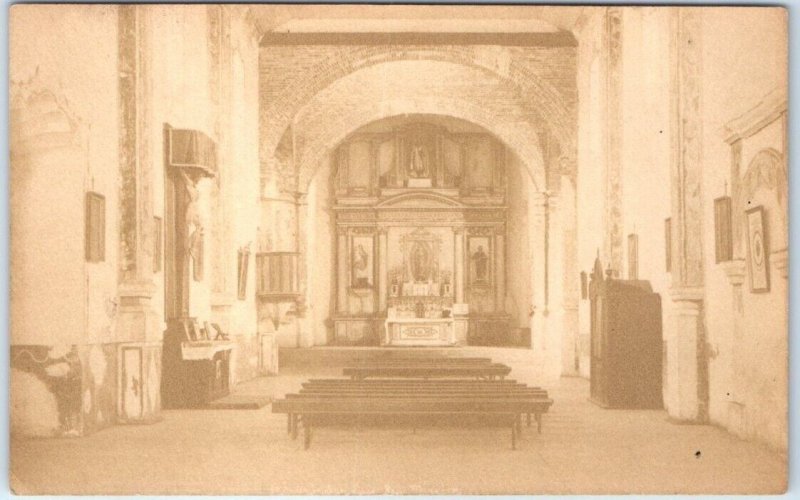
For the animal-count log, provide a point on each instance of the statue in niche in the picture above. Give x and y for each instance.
(481, 259)
(193, 242)
(418, 168)
(420, 257)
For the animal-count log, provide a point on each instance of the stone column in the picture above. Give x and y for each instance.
(570, 290)
(305, 333)
(341, 270)
(686, 369)
(500, 268)
(139, 326)
(383, 273)
(555, 290)
(458, 263)
(538, 207)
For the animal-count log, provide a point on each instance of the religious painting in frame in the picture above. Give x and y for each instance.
(757, 250)
(480, 260)
(723, 235)
(95, 224)
(361, 261)
(243, 262)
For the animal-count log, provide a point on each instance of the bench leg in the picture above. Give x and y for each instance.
(306, 434)
(529, 419)
(539, 423)
(289, 424)
(518, 423)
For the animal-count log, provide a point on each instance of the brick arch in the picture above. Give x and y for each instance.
(409, 87)
(524, 69)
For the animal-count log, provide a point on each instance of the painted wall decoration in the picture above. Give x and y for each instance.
(95, 227)
(757, 249)
(480, 261)
(361, 261)
(723, 235)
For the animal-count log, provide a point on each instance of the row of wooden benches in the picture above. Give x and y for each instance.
(497, 402)
(426, 368)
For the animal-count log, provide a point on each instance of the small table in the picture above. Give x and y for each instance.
(420, 332)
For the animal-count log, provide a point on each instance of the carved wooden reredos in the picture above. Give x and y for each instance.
(379, 157)
(420, 216)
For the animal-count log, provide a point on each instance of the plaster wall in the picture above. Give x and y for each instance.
(64, 143)
(748, 371)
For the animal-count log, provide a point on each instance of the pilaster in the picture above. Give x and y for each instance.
(139, 325)
(686, 369)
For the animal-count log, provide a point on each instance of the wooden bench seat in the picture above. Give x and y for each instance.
(517, 392)
(306, 409)
(482, 371)
(416, 361)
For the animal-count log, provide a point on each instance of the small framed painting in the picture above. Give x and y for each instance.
(757, 250)
(723, 236)
(361, 261)
(242, 263)
(95, 224)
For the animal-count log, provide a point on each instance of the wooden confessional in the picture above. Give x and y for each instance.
(626, 342)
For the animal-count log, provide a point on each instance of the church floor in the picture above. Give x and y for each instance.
(583, 449)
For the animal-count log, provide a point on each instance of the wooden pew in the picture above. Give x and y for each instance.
(354, 390)
(412, 360)
(505, 410)
(480, 371)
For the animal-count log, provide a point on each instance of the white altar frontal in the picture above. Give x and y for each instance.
(420, 332)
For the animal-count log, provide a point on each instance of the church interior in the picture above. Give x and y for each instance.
(220, 201)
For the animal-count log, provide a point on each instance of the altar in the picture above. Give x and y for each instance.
(419, 332)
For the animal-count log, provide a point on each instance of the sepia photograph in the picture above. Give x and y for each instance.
(301, 249)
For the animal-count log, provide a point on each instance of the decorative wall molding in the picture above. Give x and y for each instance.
(613, 179)
(767, 110)
(687, 152)
(42, 117)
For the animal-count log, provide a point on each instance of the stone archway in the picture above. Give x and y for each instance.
(541, 88)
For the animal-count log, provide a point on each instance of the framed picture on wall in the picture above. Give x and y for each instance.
(95, 224)
(361, 261)
(480, 260)
(757, 250)
(243, 261)
(723, 236)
